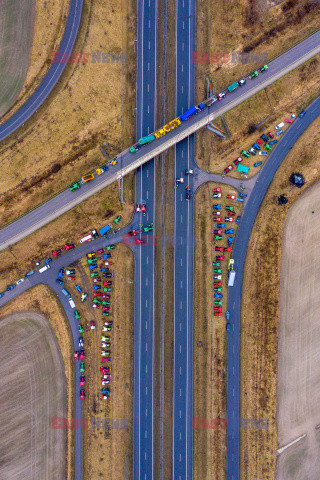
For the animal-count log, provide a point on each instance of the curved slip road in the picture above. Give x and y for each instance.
(52, 77)
(252, 205)
(129, 162)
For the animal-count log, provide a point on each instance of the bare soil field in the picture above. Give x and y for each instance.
(259, 114)
(33, 390)
(108, 439)
(42, 300)
(37, 29)
(260, 310)
(16, 29)
(209, 439)
(298, 387)
(95, 212)
(91, 104)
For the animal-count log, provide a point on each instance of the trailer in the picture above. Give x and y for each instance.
(233, 86)
(104, 230)
(87, 238)
(231, 279)
(191, 111)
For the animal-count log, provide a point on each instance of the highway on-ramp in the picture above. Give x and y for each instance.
(66, 200)
(52, 77)
(252, 205)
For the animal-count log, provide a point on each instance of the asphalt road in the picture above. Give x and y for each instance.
(182, 451)
(128, 161)
(252, 205)
(49, 278)
(143, 419)
(52, 77)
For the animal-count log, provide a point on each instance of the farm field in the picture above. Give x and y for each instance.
(32, 391)
(299, 330)
(16, 33)
(260, 309)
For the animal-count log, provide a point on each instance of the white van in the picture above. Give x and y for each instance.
(71, 302)
(43, 269)
(280, 125)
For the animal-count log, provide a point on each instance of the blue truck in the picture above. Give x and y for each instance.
(104, 230)
(191, 111)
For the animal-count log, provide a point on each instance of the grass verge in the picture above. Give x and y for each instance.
(260, 308)
(95, 212)
(209, 444)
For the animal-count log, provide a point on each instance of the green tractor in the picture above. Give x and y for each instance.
(218, 302)
(218, 237)
(217, 270)
(267, 146)
(216, 264)
(231, 209)
(217, 289)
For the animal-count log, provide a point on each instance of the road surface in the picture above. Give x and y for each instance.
(129, 162)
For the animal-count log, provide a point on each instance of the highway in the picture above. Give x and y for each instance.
(182, 452)
(52, 77)
(143, 404)
(129, 162)
(252, 205)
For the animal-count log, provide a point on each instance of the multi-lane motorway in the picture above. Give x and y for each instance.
(183, 268)
(143, 442)
(129, 162)
(183, 253)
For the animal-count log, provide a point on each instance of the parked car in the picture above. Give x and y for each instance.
(302, 114)
(263, 153)
(280, 132)
(264, 137)
(257, 164)
(227, 169)
(57, 252)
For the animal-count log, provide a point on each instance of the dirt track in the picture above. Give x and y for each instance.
(32, 391)
(299, 333)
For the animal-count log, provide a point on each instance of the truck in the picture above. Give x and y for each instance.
(231, 264)
(232, 276)
(71, 302)
(87, 178)
(87, 238)
(43, 269)
(191, 111)
(147, 139)
(104, 230)
(233, 87)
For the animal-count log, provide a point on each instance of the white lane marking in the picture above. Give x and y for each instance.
(180, 348)
(181, 219)
(183, 25)
(180, 414)
(146, 325)
(149, 46)
(180, 306)
(183, 47)
(147, 259)
(147, 194)
(146, 390)
(181, 197)
(148, 109)
(180, 392)
(182, 68)
(147, 173)
(182, 154)
(145, 434)
(147, 282)
(146, 368)
(149, 23)
(148, 87)
(148, 65)
(146, 347)
(180, 326)
(146, 303)
(181, 88)
(146, 412)
(180, 370)
(181, 262)
(181, 283)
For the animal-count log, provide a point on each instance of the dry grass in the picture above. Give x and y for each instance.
(270, 106)
(250, 26)
(93, 103)
(209, 338)
(47, 30)
(260, 308)
(95, 212)
(105, 449)
(41, 299)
